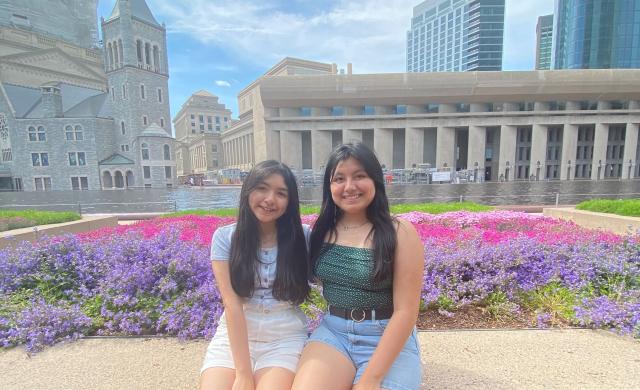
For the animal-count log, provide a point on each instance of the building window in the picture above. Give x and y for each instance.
(42, 183)
(162, 122)
(202, 127)
(217, 120)
(201, 118)
(79, 183)
(142, 94)
(113, 94)
(77, 159)
(159, 95)
(145, 120)
(74, 133)
(37, 135)
(193, 117)
(79, 133)
(124, 91)
(167, 172)
(214, 148)
(146, 170)
(6, 155)
(145, 152)
(167, 152)
(209, 126)
(124, 148)
(40, 159)
(122, 128)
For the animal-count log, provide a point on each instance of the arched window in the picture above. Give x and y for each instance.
(78, 132)
(68, 131)
(167, 152)
(121, 56)
(162, 122)
(139, 50)
(116, 59)
(147, 53)
(41, 134)
(33, 135)
(145, 151)
(156, 58)
(109, 56)
(122, 128)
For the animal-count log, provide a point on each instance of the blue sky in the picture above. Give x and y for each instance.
(224, 45)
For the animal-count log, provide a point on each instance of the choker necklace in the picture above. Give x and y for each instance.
(353, 227)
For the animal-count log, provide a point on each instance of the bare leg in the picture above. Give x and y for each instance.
(273, 378)
(322, 367)
(217, 378)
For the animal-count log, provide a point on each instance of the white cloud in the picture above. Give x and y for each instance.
(222, 83)
(369, 33)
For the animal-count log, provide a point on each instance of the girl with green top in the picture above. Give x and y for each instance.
(370, 265)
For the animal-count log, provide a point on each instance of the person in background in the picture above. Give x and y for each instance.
(370, 265)
(261, 268)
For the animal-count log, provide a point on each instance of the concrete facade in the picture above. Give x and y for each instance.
(78, 116)
(537, 125)
(198, 125)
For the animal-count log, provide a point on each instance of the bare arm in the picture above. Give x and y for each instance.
(407, 283)
(236, 323)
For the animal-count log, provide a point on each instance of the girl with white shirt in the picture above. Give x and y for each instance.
(261, 268)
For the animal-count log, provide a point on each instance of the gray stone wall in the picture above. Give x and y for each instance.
(58, 148)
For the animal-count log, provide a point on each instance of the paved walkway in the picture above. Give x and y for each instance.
(523, 359)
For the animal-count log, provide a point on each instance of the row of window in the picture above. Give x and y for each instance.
(39, 134)
(146, 154)
(43, 183)
(142, 95)
(146, 172)
(41, 159)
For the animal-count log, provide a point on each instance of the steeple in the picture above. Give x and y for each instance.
(136, 8)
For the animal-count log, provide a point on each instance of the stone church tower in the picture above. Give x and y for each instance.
(136, 66)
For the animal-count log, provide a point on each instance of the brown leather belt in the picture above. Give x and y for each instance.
(359, 315)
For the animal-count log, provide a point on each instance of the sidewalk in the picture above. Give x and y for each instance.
(522, 359)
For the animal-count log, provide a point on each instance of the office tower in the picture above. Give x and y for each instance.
(596, 34)
(456, 35)
(544, 42)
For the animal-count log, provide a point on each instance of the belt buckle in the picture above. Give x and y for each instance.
(364, 315)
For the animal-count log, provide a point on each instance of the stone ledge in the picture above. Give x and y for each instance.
(15, 236)
(614, 223)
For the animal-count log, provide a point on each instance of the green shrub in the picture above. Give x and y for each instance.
(553, 299)
(499, 307)
(626, 207)
(17, 219)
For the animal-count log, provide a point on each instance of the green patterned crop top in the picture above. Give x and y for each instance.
(345, 273)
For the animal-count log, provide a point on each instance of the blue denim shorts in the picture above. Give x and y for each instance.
(358, 340)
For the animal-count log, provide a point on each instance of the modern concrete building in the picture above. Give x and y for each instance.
(544, 42)
(456, 35)
(556, 125)
(596, 34)
(77, 116)
(198, 125)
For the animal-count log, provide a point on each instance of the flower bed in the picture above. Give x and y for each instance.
(154, 277)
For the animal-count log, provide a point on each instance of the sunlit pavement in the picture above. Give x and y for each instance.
(522, 359)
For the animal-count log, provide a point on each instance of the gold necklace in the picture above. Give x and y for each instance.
(353, 227)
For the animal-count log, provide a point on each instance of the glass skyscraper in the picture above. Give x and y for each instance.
(596, 34)
(544, 42)
(456, 35)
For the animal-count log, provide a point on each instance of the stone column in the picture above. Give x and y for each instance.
(413, 146)
(351, 135)
(538, 150)
(478, 107)
(630, 148)
(508, 137)
(569, 146)
(509, 107)
(476, 148)
(541, 106)
(446, 108)
(353, 110)
(289, 112)
(320, 148)
(275, 145)
(383, 110)
(445, 147)
(291, 149)
(572, 106)
(383, 145)
(600, 141)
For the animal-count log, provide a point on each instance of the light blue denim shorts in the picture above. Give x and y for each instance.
(358, 340)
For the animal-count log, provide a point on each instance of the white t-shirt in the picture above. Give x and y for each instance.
(263, 291)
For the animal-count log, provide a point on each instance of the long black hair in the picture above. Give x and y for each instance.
(383, 230)
(292, 264)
